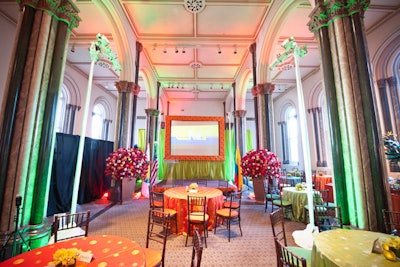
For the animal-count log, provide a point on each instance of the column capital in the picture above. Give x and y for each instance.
(262, 88)
(124, 86)
(392, 81)
(381, 83)
(327, 11)
(240, 113)
(62, 10)
(152, 112)
(135, 89)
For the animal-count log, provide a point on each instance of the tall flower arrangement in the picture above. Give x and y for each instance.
(127, 163)
(392, 147)
(260, 163)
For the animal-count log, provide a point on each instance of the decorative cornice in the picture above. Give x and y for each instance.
(326, 12)
(124, 86)
(62, 10)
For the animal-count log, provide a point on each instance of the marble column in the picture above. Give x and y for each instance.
(135, 91)
(240, 130)
(266, 115)
(152, 115)
(122, 122)
(27, 134)
(255, 96)
(394, 96)
(357, 168)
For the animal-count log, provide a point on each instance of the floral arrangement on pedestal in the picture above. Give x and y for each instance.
(260, 163)
(391, 248)
(127, 163)
(392, 147)
(300, 187)
(66, 257)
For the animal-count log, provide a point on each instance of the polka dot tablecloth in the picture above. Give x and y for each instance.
(345, 248)
(107, 250)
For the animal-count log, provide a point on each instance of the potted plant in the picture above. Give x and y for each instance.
(260, 164)
(125, 166)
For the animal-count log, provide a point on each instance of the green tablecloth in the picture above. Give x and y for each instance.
(298, 200)
(345, 248)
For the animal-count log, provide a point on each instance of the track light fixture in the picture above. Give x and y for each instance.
(73, 48)
(235, 50)
(176, 50)
(183, 50)
(165, 50)
(219, 50)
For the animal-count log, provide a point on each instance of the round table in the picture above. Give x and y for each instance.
(298, 200)
(343, 247)
(107, 250)
(176, 198)
(322, 180)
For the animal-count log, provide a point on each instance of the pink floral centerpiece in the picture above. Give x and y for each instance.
(260, 163)
(127, 163)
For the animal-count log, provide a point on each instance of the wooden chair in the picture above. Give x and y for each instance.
(271, 193)
(224, 187)
(230, 214)
(328, 217)
(69, 226)
(197, 215)
(392, 222)
(157, 227)
(157, 203)
(197, 250)
(287, 258)
(320, 197)
(279, 233)
(281, 203)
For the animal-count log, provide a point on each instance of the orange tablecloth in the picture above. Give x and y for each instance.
(107, 250)
(321, 181)
(176, 198)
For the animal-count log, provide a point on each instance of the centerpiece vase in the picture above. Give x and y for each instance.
(259, 191)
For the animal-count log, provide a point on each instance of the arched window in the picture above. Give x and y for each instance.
(98, 118)
(292, 134)
(61, 107)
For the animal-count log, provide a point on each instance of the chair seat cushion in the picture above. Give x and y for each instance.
(272, 196)
(284, 202)
(158, 204)
(171, 212)
(197, 217)
(301, 252)
(153, 257)
(225, 213)
(234, 205)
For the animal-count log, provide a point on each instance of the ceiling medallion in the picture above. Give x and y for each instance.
(195, 6)
(195, 65)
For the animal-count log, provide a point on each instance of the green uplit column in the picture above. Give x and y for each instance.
(357, 166)
(31, 127)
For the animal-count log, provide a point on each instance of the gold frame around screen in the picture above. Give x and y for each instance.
(168, 155)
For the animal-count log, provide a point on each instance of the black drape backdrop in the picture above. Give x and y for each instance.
(93, 182)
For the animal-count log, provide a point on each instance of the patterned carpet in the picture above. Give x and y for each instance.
(254, 248)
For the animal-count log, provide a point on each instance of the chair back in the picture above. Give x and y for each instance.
(157, 229)
(197, 206)
(223, 186)
(287, 258)
(197, 251)
(67, 226)
(328, 217)
(392, 222)
(278, 225)
(156, 200)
